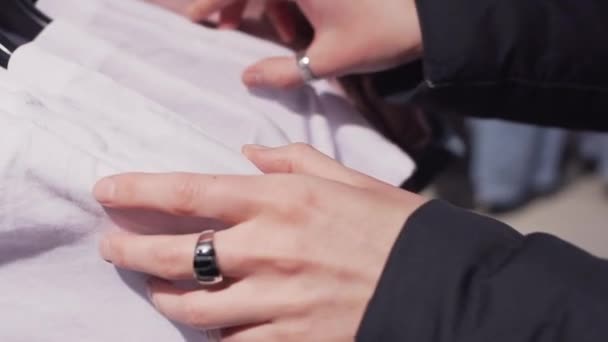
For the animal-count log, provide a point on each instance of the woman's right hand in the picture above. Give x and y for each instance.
(350, 37)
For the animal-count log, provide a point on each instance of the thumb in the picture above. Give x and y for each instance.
(327, 60)
(232, 15)
(201, 9)
(275, 72)
(306, 160)
(281, 16)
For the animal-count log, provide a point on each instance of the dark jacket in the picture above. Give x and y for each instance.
(454, 276)
(537, 61)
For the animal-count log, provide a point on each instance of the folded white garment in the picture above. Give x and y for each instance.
(219, 116)
(52, 276)
(115, 110)
(212, 62)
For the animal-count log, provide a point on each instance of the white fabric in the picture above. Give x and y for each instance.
(219, 116)
(74, 108)
(53, 148)
(113, 107)
(212, 62)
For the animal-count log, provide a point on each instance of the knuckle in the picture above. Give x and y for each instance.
(187, 192)
(306, 195)
(300, 148)
(297, 152)
(300, 200)
(309, 198)
(194, 316)
(235, 261)
(284, 80)
(167, 259)
(287, 267)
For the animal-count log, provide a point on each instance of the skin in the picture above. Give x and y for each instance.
(309, 239)
(350, 36)
(305, 251)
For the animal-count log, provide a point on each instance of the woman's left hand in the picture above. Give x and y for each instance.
(307, 246)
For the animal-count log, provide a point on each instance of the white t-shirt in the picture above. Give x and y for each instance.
(212, 61)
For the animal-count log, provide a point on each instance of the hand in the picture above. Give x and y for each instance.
(307, 247)
(280, 14)
(350, 37)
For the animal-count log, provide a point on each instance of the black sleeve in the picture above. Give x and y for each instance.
(454, 276)
(536, 61)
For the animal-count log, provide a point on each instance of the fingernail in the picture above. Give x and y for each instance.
(252, 78)
(104, 190)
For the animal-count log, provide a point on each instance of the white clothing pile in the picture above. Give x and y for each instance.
(117, 86)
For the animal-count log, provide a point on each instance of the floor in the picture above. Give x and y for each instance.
(578, 214)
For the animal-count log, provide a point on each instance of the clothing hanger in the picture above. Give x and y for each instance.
(20, 22)
(22, 18)
(30, 5)
(6, 50)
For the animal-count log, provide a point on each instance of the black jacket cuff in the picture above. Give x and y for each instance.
(457, 276)
(436, 243)
(540, 62)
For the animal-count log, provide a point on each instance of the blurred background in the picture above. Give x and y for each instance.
(535, 179)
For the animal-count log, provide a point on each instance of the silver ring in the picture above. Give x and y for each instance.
(303, 62)
(206, 269)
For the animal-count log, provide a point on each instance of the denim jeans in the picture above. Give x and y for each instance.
(510, 161)
(594, 147)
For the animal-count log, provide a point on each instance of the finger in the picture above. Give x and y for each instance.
(232, 306)
(257, 333)
(201, 9)
(327, 60)
(230, 199)
(304, 159)
(232, 16)
(275, 72)
(165, 256)
(280, 15)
